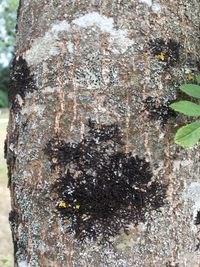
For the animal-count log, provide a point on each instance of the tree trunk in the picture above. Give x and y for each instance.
(95, 177)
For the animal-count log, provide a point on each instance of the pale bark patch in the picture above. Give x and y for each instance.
(48, 45)
(192, 193)
(23, 264)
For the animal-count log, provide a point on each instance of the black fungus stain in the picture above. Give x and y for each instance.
(21, 81)
(165, 51)
(102, 189)
(5, 148)
(158, 109)
(170, 264)
(19, 244)
(13, 220)
(197, 219)
(9, 161)
(18, 14)
(197, 246)
(10, 155)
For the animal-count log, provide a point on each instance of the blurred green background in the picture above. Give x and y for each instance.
(8, 11)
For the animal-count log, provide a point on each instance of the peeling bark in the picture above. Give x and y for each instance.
(89, 123)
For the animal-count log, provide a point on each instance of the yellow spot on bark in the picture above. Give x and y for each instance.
(161, 56)
(62, 204)
(190, 76)
(77, 207)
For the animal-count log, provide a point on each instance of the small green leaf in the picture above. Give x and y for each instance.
(198, 78)
(186, 107)
(188, 135)
(4, 261)
(191, 90)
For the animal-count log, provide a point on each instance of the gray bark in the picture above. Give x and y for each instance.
(91, 81)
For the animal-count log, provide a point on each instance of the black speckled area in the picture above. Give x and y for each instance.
(101, 189)
(18, 14)
(197, 219)
(169, 264)
(22, 81)
(169, 49)
(158, 109)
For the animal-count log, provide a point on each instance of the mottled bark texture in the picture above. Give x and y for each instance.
(95, 177)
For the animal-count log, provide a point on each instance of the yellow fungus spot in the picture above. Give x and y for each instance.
(190, 76)
(77, 206)
(146, 56)
(161, 56)
(62, 204)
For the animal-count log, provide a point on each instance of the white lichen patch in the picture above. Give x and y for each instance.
(148, 2)
(39, 109)
(50, 90)
(177, 164)
(109, 256)
(70, 47)
(23, 264)
(155, 7)
(118, 39)
(49, 45)
(60, 27)
(192, 193)
(104, 23)
(42, 48)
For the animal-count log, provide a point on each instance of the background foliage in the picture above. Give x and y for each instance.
(7, 38)
(188, 135)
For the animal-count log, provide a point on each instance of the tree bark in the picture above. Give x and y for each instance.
(95, 177)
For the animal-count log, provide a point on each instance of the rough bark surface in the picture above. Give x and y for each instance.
(90, 124)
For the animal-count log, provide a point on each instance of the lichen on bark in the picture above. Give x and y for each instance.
(81, 60)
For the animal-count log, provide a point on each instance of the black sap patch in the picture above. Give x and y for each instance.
(197, 219)
(101, 189)
(13, 220)
(18, 14)
(170, 264)
(158, 109)
(165, 51)
(21, 82)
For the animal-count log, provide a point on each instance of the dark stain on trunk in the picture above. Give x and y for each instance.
(165, 51)
(197, 219)
(158, 109)
(10, 155)
(13, 220)
(170, 264)
(21, 82)
(18, 14)
(102, 189)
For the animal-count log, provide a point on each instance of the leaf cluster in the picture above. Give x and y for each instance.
(188, 135)
(4, 84)
(8, 10)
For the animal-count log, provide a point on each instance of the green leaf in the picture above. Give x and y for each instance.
(191, 90)
(186, 107)
(198, 78)
(3, 99)
(188, 135)
(4, 261)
